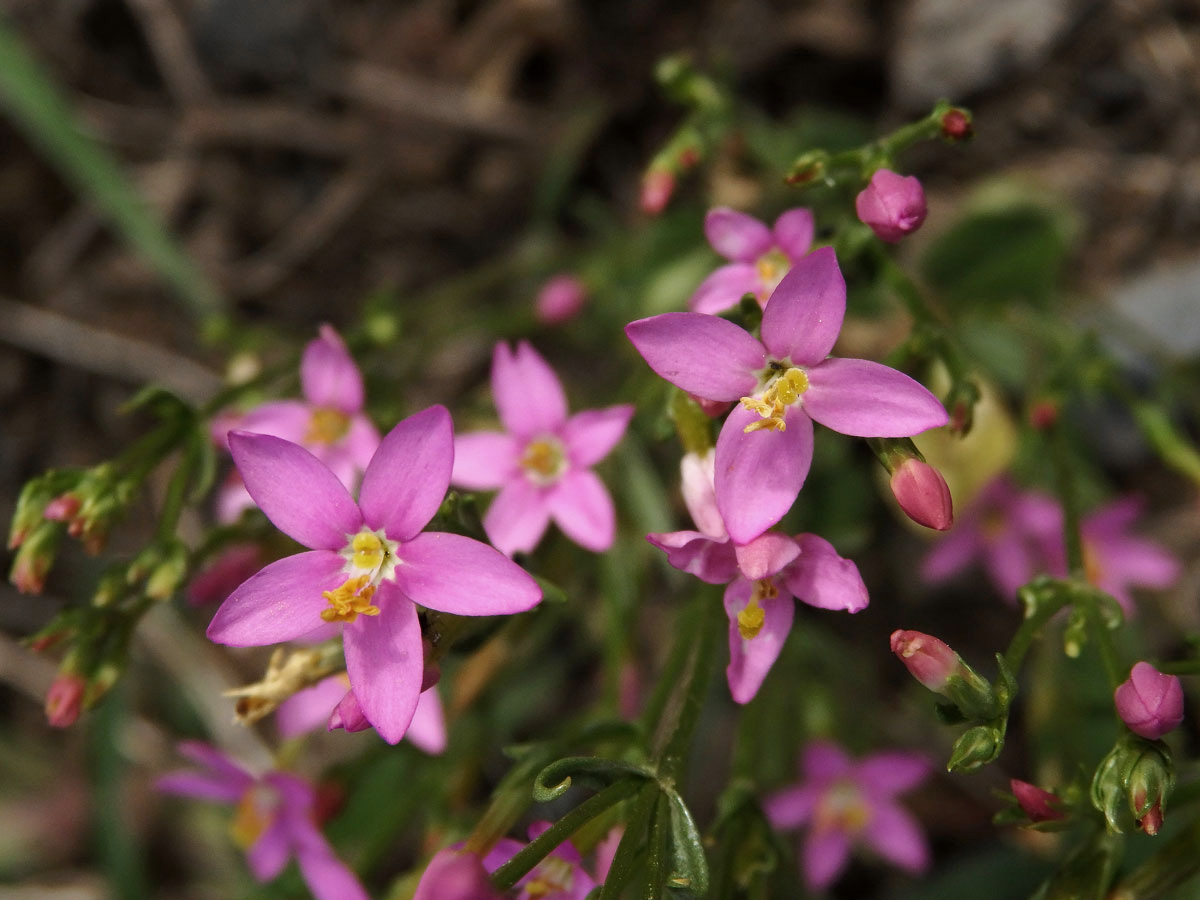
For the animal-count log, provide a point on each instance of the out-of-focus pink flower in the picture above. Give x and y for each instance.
(1149, 702)
(923, 494)
(329, 422)
(927, 659)
(273, 822)
(892, 205)
(843, 802)
(1039, 805)
(784, 383)
(542, 461)
(1116, 561)
(64, 700)
(763, 575)
(758, 256)
(456, 875)
(560, 876)
(560, 300)
(370, 563)
(217, 580)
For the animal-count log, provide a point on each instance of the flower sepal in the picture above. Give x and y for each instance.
(1132, 784)
(976, 747)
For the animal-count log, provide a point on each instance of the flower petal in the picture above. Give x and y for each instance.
(792, 807)
(385, 662)
(589, 436)
(804, 316)
(704, 355)
(328, 375)
(750, 659)
(699, 495)
(202, 786)
(825, 761)
(209, 757)
(794, 232)
(517, 518)
(736, 235)
(1137, 562)
(287, 419)
(326, 876)
(428, 727)
(895, 835)
(886, 775)
(759, 474)
(868, 399)
(269, 854)
(455, 574)
(296, 490)
(723, 288)
(766, 554)
(529, 397)
(951, 554)
(581, 506)
(484, 460)
(711, 561)
(280, 603)
(309, 709)
(825, 855)
(823, 579)
(407, 479)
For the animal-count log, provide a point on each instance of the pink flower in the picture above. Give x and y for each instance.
(892, 205)
(1116, 561)
(329, 421)
(923, 494)
(758, 256)
(273, 821)
(783, 382)
(1039, 805)
(369, 565)
(1149, 702)
(560, 876)
(843, 802)
(560, 300)
(322, 705)
(763, 575)
(541, 462)
(455, 875)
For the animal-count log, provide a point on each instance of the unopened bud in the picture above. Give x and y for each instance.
(1044, 414)
(62, 508)
(975, 748)
(34, 558)
(956, 125)
(658, 186)
(1149, 702)
(809, 167)
(927, 659)
(348, 714)
(892, 205)
(64, 700)
(559, 300)
(923, 494)
(1037, 804)
(1135, 780)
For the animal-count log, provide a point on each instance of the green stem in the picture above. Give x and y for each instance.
(1068, 495)
(537, 850)
(1050, 602)
(1104, 642)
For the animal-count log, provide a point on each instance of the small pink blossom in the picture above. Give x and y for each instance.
(843, 802)
(892, 205)
(560, 876)
(758, 256)
(542, 461)
(370, 564)
(783, 383)
(273, 822)
(560, 300)
(1149, 702)
(456, 875)
(923, 494)
(64, 700)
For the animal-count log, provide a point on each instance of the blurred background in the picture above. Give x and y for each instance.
(413, 172)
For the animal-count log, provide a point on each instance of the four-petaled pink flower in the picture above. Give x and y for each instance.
(843, 802)
(329, 421)
(273, 822)
(1149, 702)
(758, 256)
(370, 564)
(784, 382)
(541, 462)
(763, 575)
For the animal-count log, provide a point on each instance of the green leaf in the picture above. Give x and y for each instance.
(554, 780)
(689, 866)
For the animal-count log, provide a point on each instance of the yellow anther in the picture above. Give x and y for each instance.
(351, 600)
(841, 808)
(771, 266)
(1093, 571)
(543, 460)
(552, 876)
(327, 426)
(251, 816)
(369, 550)
(772, 404)
(750, 620)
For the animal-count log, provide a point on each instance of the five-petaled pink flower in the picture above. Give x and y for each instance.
(758, 256)
(763, 575)
(329, 421)
(842, 802)
(370, 564)
(274, 820)
(784, 382)
(541, 462)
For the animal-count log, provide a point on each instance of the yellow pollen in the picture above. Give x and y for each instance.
(552, 876)
(772, 404)
(251, 817)
(543, 460)
(1092, 570)
(751, 619)
(352, 599)
(771, 266)
(327, 426)
(842, 809)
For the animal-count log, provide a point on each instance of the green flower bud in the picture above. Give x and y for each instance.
(975, 748)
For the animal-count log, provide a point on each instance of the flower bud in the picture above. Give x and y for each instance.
(928, 659)
(1039, 805)
(348, 714)
(1149, 702)
(64, 700)
(1135, 779)
(975, 748)
(34, 558)
(62, 508)
(892, 205)
(164, 579)
(922, 493)
(657, 187)
(455, 875)
(559, 300)
(956, 125)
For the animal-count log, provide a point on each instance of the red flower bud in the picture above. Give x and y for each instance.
(956, 125)
(657, 187)
(1039, 805)
(64, 700)
(922, 493)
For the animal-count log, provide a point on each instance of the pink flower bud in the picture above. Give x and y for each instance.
(929, 660)
(892, 205)
(657, 187)
(62, 508)
(922, 493)
(956, 125)
(455, 875)
(64, 700)
(1039, 805)
(348, 714)
(1150, 703)
(1152, 821)
(560, 300)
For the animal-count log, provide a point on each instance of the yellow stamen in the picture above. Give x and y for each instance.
(543, 460)
(772, 404)
(327, 426)
(841, 808)
(750, 620)
(771, 266)
(251, 817)
(552, 876)
(350, 600)
(1093, 571)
